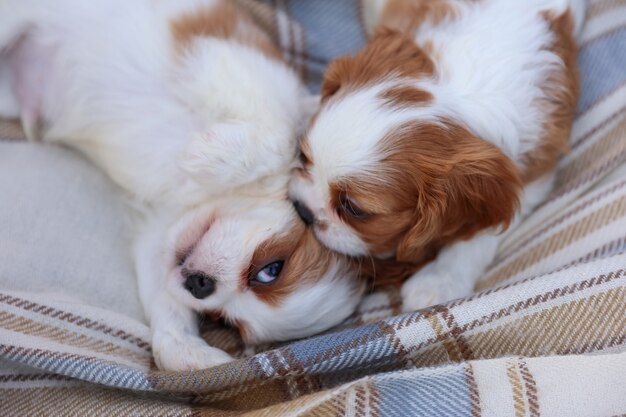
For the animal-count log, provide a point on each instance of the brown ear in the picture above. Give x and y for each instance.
(474, 187)
(389, 53)
(335, 75)
(381, 273)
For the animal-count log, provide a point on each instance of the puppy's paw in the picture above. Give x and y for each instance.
(176, 353)
(429, 287)
(221, 154)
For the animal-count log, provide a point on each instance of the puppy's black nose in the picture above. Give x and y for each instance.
(199, 285)
(304, 212)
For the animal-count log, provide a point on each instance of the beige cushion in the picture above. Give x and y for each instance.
(63, 229)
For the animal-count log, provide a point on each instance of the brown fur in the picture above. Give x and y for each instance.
(406, 96)
(305, 153)
(224, 20)
(242, 327)
(407, 15)
(305, 261)
(562, 90)
(381, 273)
(388, 54)
(439, 184)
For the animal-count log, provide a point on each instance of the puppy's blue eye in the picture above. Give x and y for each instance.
(269, 273)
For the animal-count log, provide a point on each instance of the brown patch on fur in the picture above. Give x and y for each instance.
(407, 15)
(241, 326)
(562, 91)
(382, 273)
(306, 157)
(439, 184)
(305, 160)
(305, 261)
(214, 315)
(224, 20)
(406, 96)
(388, 54)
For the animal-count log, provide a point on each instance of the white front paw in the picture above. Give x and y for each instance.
(429, 287)
(220, 154)
(179, 353)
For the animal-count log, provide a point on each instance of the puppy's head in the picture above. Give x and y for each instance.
(255, 264)
(387, 168)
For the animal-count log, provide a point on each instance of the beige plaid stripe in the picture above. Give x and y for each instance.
(263, 14)
(515, 380)
(601, 217)
(359, 398)
(599, 7)
(581, 326)
(89, 400)
(29, 327)
(512, 246)
(473, 390)
(11, 130)
(524, 389)
(583, 316)
(599, 154)
(285, 31)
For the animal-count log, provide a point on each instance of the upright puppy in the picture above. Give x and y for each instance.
(438, 134)
(189, 107)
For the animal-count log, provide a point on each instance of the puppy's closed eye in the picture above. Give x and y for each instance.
(348, 207)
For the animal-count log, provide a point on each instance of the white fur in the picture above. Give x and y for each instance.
(204, 134)
(490, 60)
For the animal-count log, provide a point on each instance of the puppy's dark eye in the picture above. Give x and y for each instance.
(350, 208)
(268, 273)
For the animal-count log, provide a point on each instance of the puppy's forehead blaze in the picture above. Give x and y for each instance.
(305, 261)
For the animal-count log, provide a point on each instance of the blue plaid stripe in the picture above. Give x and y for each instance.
(442, 391)
(602, 65)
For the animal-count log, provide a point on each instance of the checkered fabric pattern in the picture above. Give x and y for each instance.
(544, 336)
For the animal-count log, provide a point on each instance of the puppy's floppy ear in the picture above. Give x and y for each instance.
(335, 76)
(473, 186)
(381, 273)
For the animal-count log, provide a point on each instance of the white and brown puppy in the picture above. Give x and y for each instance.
(440, 133)
(190, 108)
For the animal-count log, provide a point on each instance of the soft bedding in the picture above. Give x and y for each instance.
(544, 336)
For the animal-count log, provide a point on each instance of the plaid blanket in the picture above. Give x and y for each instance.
(544, 336)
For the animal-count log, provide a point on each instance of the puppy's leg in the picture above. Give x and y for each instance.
(26, 66)
(456, 269)
(233, 154)
(23, 67)
(12, 26)
(452, 275)
(176, 343)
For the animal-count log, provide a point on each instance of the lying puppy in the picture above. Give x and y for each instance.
(438, 134)
(189, 107)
